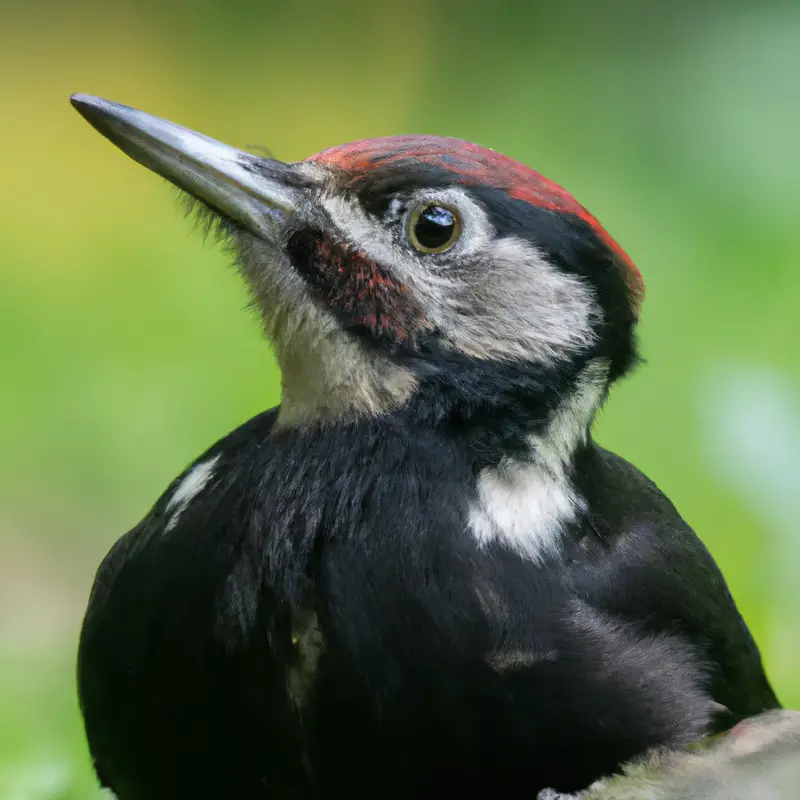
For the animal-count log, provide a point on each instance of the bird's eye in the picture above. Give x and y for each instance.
(434, 229)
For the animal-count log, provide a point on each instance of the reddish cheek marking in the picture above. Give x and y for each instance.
(474, 164)
(362, 293)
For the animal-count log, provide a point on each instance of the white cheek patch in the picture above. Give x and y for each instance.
(517, 306)
(194, 483)
(491, 298)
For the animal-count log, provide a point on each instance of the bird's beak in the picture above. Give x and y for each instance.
(261, 194)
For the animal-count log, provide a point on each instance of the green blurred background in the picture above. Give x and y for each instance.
(125, 350)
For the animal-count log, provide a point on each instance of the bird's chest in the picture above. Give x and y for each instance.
(422, 631)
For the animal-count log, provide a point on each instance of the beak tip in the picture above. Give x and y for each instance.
(89, 107)
(96, 110)
(81, 102)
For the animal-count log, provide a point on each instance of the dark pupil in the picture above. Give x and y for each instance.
(434, 227)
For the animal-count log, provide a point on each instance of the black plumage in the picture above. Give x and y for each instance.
(431, 665)
(311, 610)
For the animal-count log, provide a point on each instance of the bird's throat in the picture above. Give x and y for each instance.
(501, 411)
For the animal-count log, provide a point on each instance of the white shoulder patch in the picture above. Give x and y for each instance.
(524, 506)
(195, 481)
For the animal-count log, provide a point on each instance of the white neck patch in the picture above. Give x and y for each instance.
(525, 504)
(524, 507)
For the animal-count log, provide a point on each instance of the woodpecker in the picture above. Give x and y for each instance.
(418, 573)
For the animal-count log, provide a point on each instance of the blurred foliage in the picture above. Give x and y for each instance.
(123, 344)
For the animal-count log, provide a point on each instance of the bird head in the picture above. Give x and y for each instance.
(410, 272)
